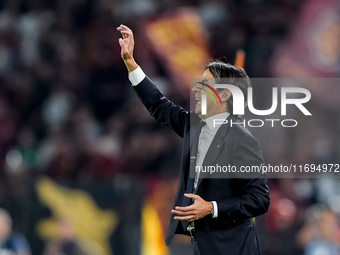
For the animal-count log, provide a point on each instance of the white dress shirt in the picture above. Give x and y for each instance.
(136, 76)
(207, 134)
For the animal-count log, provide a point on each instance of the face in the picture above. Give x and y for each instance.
(212, 109)
(207, 78)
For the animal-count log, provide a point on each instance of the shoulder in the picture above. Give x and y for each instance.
(194, 118)
(239, 130)
(239, 134)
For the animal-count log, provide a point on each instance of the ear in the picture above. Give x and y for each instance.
(225, 95)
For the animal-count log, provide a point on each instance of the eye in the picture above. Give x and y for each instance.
(205, 82)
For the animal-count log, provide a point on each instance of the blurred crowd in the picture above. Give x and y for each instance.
(67, 111)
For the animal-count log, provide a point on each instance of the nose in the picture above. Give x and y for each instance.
(195, 89)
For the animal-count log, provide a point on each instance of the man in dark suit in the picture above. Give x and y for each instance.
(216, 212)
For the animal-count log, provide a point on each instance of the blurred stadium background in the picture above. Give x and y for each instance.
(85, 169)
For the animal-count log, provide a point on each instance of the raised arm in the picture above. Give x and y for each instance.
(162, 109)
(127, 44)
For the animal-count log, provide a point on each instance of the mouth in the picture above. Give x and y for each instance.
(198, 101)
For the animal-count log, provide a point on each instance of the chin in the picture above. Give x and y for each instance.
(198, 111)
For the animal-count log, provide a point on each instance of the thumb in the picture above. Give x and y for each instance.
(121, 42)
(193, 196)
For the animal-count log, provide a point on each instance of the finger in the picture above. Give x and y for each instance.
(124, 41)
(125, 27)
(185, 218)
(126, 35)
(120, 30)
(182, 212)
(193, 196)
(186, 208)
(126, 32)
(122, 44)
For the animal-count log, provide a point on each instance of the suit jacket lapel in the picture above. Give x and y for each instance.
(186, 149)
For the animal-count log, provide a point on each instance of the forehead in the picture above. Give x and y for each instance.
(207, 74)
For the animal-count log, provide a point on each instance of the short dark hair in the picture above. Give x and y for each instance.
(225, 73)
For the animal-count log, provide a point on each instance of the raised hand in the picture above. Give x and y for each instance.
(126, 43)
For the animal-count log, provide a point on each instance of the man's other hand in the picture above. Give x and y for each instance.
(199, 209)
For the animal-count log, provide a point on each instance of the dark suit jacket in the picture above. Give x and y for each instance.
(238, 199)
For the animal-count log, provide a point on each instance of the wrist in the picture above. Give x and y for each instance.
(131, 64)
(210, 207)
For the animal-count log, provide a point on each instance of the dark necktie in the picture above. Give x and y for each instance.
(193, 156)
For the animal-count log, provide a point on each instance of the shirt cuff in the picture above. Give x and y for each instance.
(136, 76)
(215, 214)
